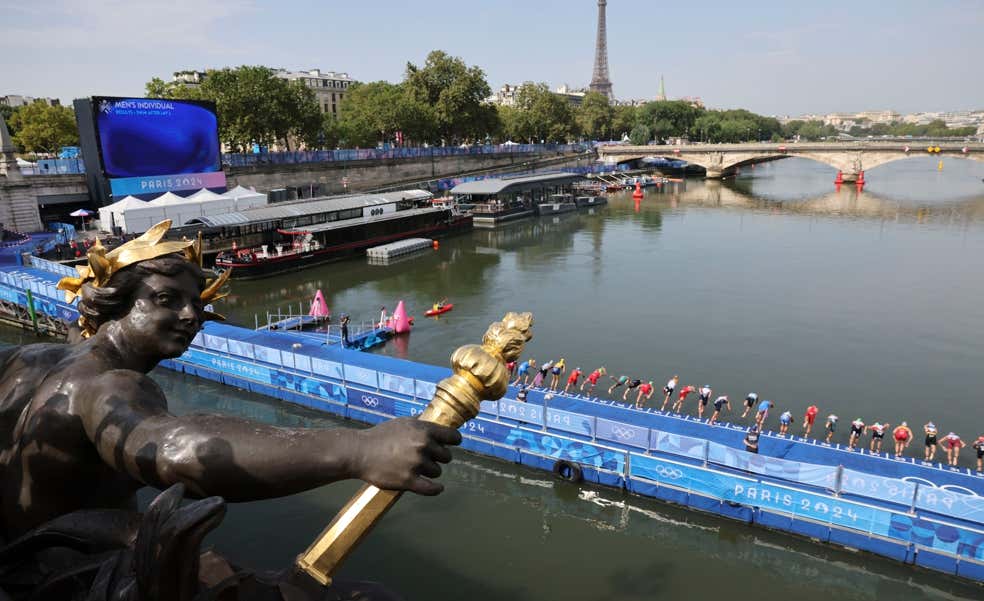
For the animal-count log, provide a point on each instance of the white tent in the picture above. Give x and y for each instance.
(245, 198)
(130, 214)
(205, 194)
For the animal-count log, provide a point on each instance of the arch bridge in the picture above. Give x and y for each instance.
(850, 158)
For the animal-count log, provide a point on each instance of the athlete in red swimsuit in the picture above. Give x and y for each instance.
(809, 418)
(593, 379)
(678, 405)
(572, 379)
(644, 389)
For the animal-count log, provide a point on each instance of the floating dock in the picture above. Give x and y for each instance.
(906, 509)
(395, 250)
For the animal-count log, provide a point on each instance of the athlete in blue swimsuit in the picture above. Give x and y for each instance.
(524, 371)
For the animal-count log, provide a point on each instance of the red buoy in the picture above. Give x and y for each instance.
(638, 191)
(840, 178)
(861, 178)
(435, 244)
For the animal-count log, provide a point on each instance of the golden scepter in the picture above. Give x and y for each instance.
(479, 374)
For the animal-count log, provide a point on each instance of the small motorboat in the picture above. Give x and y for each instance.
(441, 309)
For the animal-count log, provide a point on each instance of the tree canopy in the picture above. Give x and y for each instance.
(38, 127)
(253, 105)
(457, 96)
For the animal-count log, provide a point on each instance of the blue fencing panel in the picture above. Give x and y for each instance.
(403, 408)
(267, 354)
(302, 362)
(531, 414)
(287, 359)
(561, 447)
(489, 407)
(424, 390)
(361, 375)
(373, 402)
(239, 348)
(677, 444)
(396, 383)
(216, 343)
(947, 502)
(805, 473)
(891, 490)
(226, 365)
(626, 434)
(327, 369)
(198, 340)
(570, 422)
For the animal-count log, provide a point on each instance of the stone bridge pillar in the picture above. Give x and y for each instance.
(714, 166)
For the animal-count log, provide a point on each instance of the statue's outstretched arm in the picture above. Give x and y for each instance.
(125, 416)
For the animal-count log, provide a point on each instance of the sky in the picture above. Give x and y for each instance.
(773, 58)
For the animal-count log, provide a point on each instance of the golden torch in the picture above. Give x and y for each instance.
(479, 374)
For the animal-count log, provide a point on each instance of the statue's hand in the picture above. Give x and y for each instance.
(403, 454)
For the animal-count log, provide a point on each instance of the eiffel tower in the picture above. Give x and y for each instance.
(599, 79)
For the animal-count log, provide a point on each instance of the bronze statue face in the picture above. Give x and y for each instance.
(167, 313)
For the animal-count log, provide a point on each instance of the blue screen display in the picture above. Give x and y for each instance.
(145, 137)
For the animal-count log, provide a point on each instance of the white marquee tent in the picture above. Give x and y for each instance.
(135, 216)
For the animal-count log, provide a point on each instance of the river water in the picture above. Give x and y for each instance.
(867, 304)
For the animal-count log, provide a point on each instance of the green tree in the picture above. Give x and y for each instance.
(374, 112)
(43, 128)
(640, 135)
(594, 116)
(669, 118)
(456, 93)
(542, 115)
(623, 120)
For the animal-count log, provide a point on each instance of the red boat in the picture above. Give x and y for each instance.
(441, 309)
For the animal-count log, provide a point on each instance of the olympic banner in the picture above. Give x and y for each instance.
(235, 367)
(524, 412)
(677, 444)
(570, 422)
(622, 433)
(890, 490)
(949, 502)
(814, 475)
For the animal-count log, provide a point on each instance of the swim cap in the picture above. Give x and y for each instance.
(904, 424)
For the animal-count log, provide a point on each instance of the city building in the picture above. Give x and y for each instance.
(329, 86)
(188, 78)
(574, 96)
(13, 100)
(506, 96)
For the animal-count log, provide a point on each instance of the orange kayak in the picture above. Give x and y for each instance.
(444, 309)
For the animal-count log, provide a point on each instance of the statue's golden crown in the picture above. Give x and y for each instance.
(103, 265)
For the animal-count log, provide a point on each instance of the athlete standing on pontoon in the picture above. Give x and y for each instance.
(703, 397)
(620, 381)
(979, 447)
(750, 401)
(572, 379)
(668, 390)
(877, 434)
(953, 445)
(524, 371)
(931, 443)
(831, 426)
(857, 429)
(593, 379)
(785, 419)
(808, 418)
(903, 436)
(684, 393)
(645, 390)
(720, 404)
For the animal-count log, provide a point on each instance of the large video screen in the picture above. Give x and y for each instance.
(140, 137)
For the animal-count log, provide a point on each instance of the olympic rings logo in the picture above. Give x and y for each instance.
(623, 433)
(670, 473)
(370, 401)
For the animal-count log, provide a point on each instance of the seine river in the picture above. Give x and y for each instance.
(867, 304)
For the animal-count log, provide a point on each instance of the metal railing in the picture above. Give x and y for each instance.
(368, 154)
